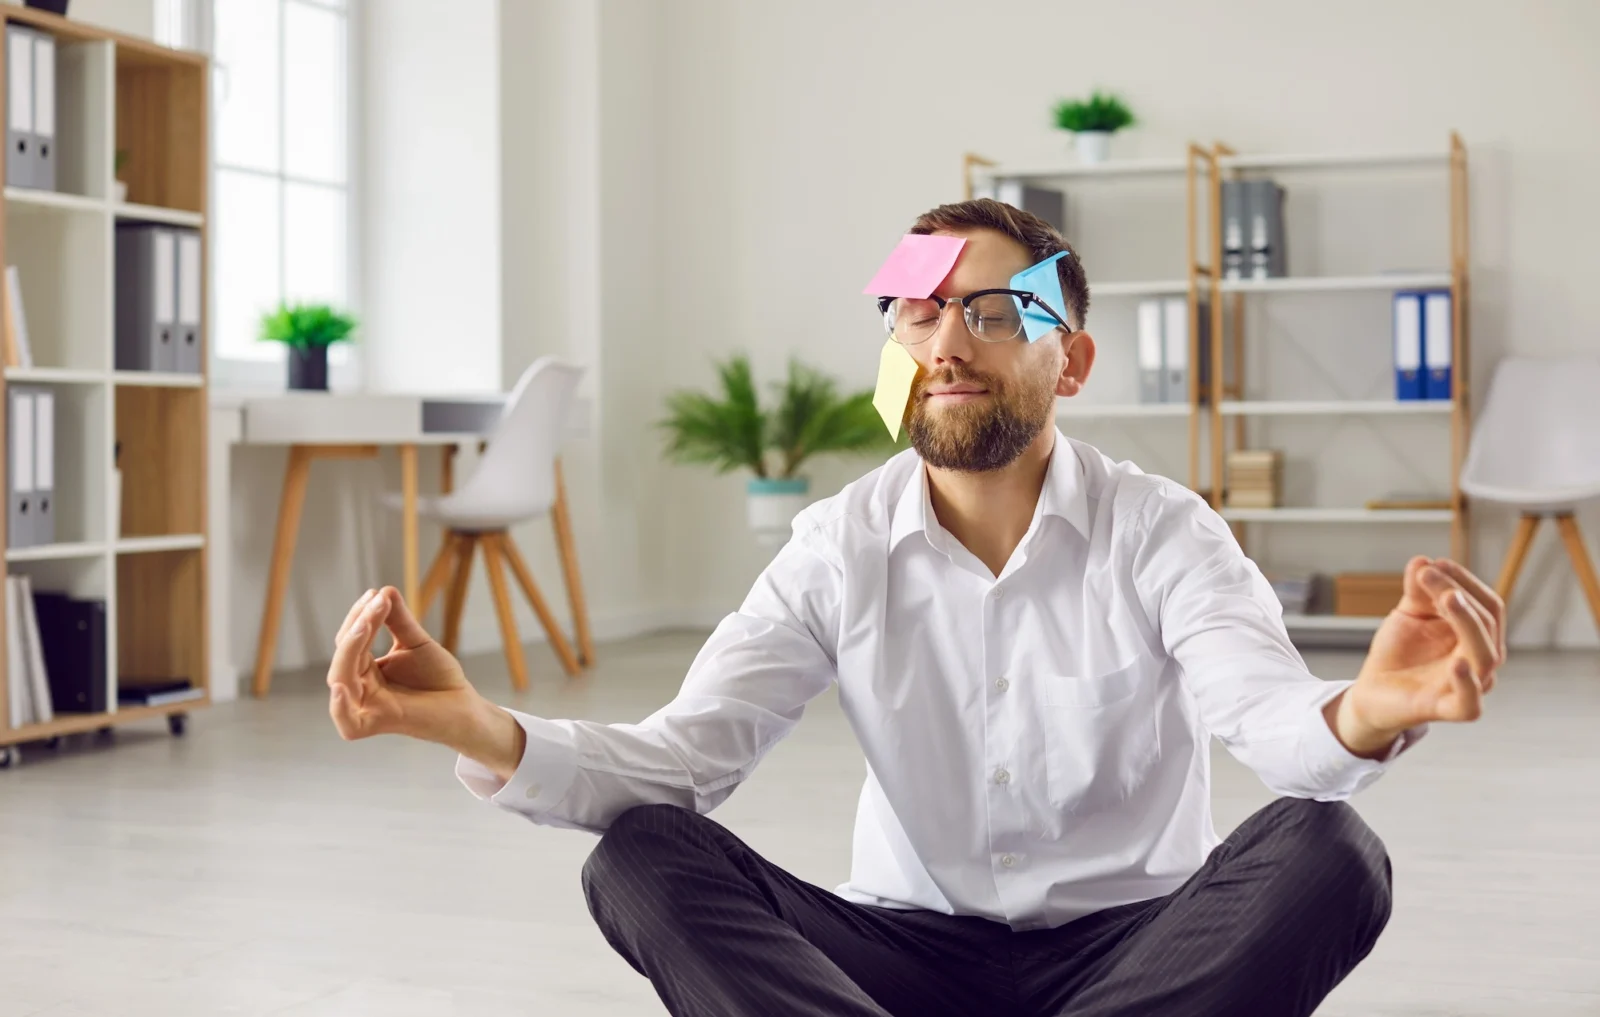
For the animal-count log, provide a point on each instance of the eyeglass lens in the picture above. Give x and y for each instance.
(992, 317)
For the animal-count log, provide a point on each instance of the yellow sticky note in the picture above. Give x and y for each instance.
(897, 371)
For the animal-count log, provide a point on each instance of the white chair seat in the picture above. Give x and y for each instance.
(459, 511)
(1536, 445)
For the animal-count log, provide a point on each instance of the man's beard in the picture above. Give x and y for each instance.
(985, 434)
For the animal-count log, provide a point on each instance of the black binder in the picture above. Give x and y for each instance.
(73, 636)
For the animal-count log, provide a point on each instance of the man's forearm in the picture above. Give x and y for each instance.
(488, 735)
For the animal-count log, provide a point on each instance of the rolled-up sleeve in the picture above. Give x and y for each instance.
(746, 690)
(1222, 623)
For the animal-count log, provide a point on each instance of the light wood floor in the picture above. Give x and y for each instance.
(261, 866)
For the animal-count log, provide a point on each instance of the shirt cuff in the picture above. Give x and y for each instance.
(1334, 770)
(543, 777)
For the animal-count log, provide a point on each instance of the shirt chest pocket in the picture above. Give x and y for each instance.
(1100, 741)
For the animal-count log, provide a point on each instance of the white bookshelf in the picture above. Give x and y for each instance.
(1336, 515)
(142, 554)
(1336, 160)
(1336, 407)
(1067, 169)
(1073, 410)
(1331, 623)
(1332, 283)
(1146, 288)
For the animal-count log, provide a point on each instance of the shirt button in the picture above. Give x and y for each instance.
(998, 593)
(1008, 860)
(1002, 776)
(1001, 684)
(533, 790)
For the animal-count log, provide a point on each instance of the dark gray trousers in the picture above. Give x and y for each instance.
(1277, 915)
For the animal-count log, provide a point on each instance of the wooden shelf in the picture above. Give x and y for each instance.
(75, 723)
(1335, 407)
(1336, 515)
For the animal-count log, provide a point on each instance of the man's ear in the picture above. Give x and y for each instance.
(1076, 362)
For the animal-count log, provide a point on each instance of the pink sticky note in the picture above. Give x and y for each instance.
(916, 267)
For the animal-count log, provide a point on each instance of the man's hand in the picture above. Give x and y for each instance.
(416, 689)
(1433, 659)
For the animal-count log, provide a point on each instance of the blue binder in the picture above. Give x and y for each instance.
(1408, 374)
(1438, 344)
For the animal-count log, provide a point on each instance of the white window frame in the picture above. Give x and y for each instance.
(344, 360)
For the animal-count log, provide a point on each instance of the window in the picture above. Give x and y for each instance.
(281, 204)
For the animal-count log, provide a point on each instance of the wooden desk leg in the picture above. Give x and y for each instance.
(447, 469)
(408, 488)
(291, 502)
(562, 517)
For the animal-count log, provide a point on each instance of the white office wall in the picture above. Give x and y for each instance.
(430, 190)
(792, 142)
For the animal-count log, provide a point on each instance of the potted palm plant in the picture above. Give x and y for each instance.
(730, 430)
(308, 330)
(1092, 121)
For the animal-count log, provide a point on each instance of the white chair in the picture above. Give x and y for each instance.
(518, 478)
(1536, 446)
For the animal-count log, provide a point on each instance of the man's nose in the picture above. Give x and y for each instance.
(951, 340)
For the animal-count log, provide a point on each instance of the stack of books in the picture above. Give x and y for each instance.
(1254, 478)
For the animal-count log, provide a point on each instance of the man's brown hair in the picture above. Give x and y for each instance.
(1027, 229)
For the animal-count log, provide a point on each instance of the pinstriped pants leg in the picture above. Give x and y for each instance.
(1279, 913)
(721, 931)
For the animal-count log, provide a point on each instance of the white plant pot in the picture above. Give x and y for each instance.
(119, 190)
(771, 505)
(1093, 147)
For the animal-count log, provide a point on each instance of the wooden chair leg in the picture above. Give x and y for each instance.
(438, 573)
(558, 642)
(456, 599)
(1581, 562)
(1516, 555)
(290, 504)
(502, 605)
(561, 516)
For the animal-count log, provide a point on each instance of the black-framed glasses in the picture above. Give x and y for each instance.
(993, 316)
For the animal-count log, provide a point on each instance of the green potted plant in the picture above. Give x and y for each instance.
(1092, 121)
(308, 330)
(730, 430)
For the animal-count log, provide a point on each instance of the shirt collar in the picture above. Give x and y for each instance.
(1063, 495)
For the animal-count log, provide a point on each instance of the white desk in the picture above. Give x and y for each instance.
(320, 425)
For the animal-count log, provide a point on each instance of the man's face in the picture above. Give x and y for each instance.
(978, 405)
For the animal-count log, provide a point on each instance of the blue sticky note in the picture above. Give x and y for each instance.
(1044, 280)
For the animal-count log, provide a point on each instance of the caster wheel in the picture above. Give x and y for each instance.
(10, 755)
(53, 743)
(177, 723)
(106, 733)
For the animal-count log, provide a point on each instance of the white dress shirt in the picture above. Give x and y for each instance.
(1036, 743)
